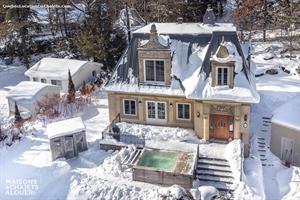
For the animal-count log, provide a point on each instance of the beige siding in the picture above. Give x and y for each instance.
(200, 113)
(278, 132)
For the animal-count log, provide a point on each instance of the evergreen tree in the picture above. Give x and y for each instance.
(71, 89)
(17, 113)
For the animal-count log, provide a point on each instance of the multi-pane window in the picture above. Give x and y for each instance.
(43, 80)
(154, 70)
(56, 82)
(183, 111)
(156, 110)
(222, 75)
(129, 107)
(35, 79)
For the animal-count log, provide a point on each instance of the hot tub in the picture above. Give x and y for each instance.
(165, 167)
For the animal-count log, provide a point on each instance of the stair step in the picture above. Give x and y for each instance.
(266, 118)
(225, 174)
(219, 185)
(262, 155)
(215, 174)
(213, 168)
(262, 143)
(264, 131)
(220, 164)
(266, 125)
(261, 146)
(262, 150)
(215, 179)
(214, 159)
(263, 159)
(260, 138)
(266, 121)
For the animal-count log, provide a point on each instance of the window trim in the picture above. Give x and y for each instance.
(56, 82)
(190, 111)
(157, 120)
(124, 107)
(217, 80)
(144, 63)
(43, 79)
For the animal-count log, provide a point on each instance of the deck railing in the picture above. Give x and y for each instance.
(108, 129)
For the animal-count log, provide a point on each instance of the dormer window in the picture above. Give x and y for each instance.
(154, 61)
(222, 75)
(154, 71)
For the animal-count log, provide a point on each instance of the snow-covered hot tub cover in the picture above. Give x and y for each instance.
(65, 127)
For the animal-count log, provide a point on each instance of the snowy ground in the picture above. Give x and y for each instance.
(97, 174)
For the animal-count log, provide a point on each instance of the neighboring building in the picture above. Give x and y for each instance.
(285, 137)
(188, 75)
(67, 138)
(27, 95)
(55, 71)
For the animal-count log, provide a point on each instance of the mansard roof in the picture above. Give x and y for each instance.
(191, 47)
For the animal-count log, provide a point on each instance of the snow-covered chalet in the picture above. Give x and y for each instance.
(190, 75)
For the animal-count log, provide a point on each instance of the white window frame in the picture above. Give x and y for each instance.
(157, 120)
(190, 113)
(145, 80)
(130, 108)
(217, 79)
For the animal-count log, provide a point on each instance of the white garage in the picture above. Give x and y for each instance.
(55, 71)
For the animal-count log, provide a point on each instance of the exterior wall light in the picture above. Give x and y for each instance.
(198, 114)
(245, 125)
(171, 105)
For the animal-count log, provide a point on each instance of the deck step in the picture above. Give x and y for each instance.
(260, 138)
(214, 163)
(214, 168)
(266, 125)
(212, 159)
(215, 179)
(219, 185)
(266, 121)
(262, 143)
(225, 174)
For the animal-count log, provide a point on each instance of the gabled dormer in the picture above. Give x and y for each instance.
(222, 67)
(154, 61)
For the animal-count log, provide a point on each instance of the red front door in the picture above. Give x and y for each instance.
(221, 127)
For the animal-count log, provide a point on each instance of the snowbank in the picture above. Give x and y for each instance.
(288, 114)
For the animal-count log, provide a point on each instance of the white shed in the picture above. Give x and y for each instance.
(55, 71)
(67, 138)
(285, 137)
(28, 94)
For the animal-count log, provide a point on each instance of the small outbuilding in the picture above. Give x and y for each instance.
(55, 71)
(285, 137)
(28, 95)
(67, 138)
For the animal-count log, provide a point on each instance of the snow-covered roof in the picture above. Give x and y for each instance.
(190, 66)
(28, 90)
(65, 127)
(57, 67)
(288, 114)
(188, 28)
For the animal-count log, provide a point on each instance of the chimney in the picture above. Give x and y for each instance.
(153, 34)
(179, 20)
(209, 16)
